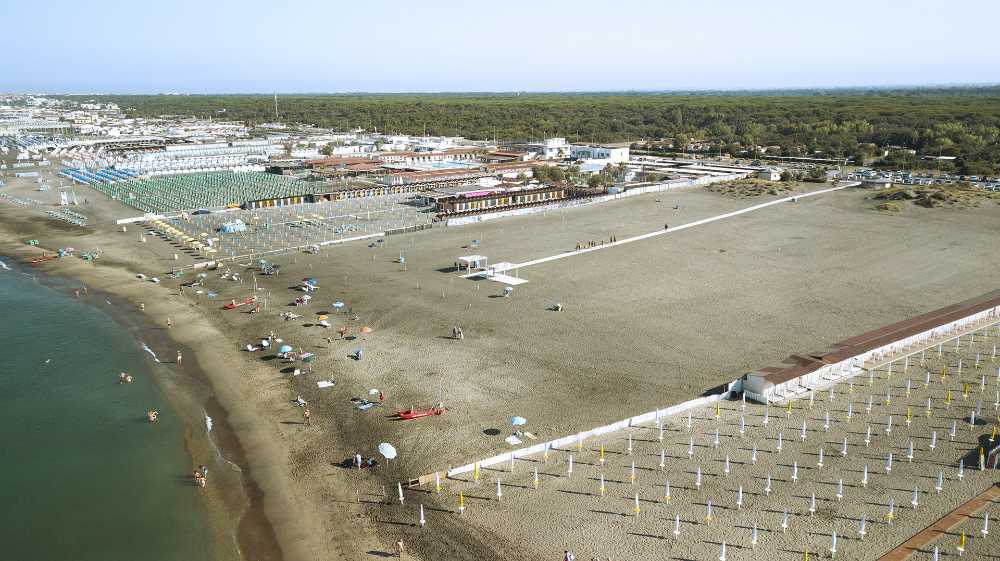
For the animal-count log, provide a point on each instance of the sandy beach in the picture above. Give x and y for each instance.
(644, 325)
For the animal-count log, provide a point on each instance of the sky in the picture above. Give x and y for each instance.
(225, 46)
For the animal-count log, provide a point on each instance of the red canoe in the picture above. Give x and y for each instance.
(408, 414)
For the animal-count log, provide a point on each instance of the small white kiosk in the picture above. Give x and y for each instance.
(473, 262)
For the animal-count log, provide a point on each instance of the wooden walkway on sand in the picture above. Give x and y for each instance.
(931, 533)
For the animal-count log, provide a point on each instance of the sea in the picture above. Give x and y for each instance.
(85, 476)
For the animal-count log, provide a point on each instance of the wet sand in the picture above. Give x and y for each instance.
(646, 325)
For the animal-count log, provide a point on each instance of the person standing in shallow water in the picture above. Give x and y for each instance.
(306, 415)
(180, 358)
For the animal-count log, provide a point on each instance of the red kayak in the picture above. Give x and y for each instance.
(244, 302)
(408, 414)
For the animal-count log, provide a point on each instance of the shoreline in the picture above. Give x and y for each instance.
(251, 535)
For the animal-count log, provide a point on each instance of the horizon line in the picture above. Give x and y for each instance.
(632, 91)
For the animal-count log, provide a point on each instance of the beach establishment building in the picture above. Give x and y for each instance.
(335, 193)
(499, 199)
(549, 149)
(795, 376)
(614, 154)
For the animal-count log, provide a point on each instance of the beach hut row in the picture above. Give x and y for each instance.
(171, 193)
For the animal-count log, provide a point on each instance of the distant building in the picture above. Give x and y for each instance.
(549, 149)
(614, 154)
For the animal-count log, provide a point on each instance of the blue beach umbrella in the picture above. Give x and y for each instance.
(338, 304)
(518, 421)
(285, 349)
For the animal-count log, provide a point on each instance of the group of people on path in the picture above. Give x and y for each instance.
(592, 243)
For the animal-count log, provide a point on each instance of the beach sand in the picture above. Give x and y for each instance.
(644, 325)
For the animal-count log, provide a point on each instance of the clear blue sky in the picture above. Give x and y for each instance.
(470, 45)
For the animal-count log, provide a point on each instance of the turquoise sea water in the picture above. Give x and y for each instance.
(84, 475)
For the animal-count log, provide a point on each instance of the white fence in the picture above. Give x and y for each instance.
(655, 416)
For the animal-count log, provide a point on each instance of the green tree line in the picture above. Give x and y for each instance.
(961, 122)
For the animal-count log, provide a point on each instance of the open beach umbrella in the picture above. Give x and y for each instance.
(387, 450)
(285, 349)
(306, 297)
(518, 421)
(366, 329)
(338, 304)
(307, 357)
(309, 281)
(373, 391)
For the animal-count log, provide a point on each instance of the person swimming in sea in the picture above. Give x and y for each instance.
(152, 414)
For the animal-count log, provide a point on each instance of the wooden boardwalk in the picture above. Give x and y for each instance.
(931, 533)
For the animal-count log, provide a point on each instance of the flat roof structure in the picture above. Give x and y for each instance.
(802, 364)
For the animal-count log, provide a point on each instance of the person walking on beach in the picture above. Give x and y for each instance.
(169, 323)
(306, 416)
(180, 358)
(381, 397)
(400, 549)
(568, 556)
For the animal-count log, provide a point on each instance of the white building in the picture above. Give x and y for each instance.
(550, 149)
(612, 154)
(770, 174)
